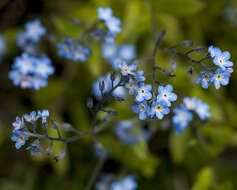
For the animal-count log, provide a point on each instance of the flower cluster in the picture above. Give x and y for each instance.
(30, 71)
(112, 23)
(146, 107)
(222, 75)
(21, 130)
(70, 49)
(127, 183)
(183, 114)
(130, 133)
(28, 39)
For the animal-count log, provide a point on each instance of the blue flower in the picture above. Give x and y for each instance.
(98, 35)
(15, 76)
(213, 51)
(38, 82)
(80, 54)
(21, 40)
(204, 79)
(44, 115)
(202, 110)
(143, 92)
(165, 94)
(222, 60)
(139, 76)
(132, 86)
(181, 119)
(19, 137)
(116, 62)
(26, 82)
(32, 117)
(190, 103)
(18, 124)
(159, 108)
(34, 30)
(128, 183)
(24, 63)
(109, 50)
(113, 25)
(127, 69)
(65, 49)
(104, 13)
(142, 109)
(34, 148)
(43, 67)
(127, 52)
(220, 78)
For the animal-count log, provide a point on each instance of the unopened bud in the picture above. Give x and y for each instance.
(60, 155)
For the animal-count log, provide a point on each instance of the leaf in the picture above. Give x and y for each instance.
(178, 7)
(204, 179)
(136, 156)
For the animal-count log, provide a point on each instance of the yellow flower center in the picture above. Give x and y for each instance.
(218, 76)
(143, 108)
(159, 108)
(126, 69)
(131, 85)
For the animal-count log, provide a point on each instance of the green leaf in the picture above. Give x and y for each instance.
(204, 179)
(178, 7)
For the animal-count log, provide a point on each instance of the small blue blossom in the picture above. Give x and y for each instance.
(32, 117)
(143, 92)
(65, 49)
(98, 35)
(127, 52)
(127, 69)
(80, 53)
(116, 62)
(181, 119)
(44, 115)
(34, 148)
(202, 110)
(221, 59)
(104, 13)
(43, 67)
(20, 138)
(15, 76)
(139, 76)
(159, 108)
(113, 25)
(34, 30)
(24, 63)
(18, 124)
(204, 78)
(220, 78)
(109, 50)
(190, 103)
(132, 86)
(166, 94)
(213, 51)
(38, 82)
(128, 183)
(142, 109)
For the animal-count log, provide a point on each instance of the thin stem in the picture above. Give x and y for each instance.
(154, 67)
(96, 172)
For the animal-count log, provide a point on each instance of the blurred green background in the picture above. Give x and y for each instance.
(167, 161)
